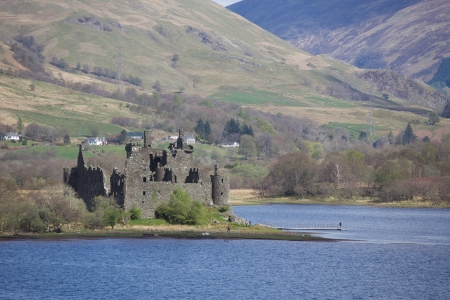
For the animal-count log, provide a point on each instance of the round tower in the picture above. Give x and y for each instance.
(160, 172)
(220, 191)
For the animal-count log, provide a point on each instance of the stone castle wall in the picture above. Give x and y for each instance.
(88, 182)
(149, 179)
(147, 196)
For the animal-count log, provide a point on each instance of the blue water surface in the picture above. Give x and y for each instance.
(379, 268)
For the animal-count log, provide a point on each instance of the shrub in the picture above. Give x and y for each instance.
(224, 209)
(135, 213)
(182, 210)
(111, 216)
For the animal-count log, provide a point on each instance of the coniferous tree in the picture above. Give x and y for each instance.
(207, 128)
(19, 125)
(247, 130)
(409, 136)
(231, 127)
(200, 128)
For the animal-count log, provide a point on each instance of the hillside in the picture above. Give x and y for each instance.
(194, 48)
(411, 37)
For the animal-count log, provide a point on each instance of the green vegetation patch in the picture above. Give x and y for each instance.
(76, 127)
(354, 129)
(256, 98)
(149, 222)
(329, 102)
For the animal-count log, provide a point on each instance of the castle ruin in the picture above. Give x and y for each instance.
(149, 178)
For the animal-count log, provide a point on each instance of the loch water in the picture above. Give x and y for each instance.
(388, 254)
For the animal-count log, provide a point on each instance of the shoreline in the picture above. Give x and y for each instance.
(250, 197)
(193, 233)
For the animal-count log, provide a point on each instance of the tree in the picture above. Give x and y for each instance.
(66, 139)
(111, 216)
(200, 128)
(174, 59)
(264, 144)
(362, 136)
(232, 129)
(385, 97)
(123, 137)
(293, 174)
(428, 153)
(32, 87)
(157, 86)
(155, 99)
(85, 68)
(247, 129)
(446, 111)
(19, 125)
(247, 146)
(390, 138)
(433, 118)
(207, 127)
(408, 136)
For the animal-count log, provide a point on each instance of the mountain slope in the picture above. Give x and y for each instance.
(411, 37)
(195, 47)
(202, 33)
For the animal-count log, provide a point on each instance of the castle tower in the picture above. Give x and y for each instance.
(160, 172)
(220, 192)
(180, 139)
(80, 161)
(147, 139)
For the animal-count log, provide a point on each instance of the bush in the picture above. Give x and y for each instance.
(135, 213)
(93, 220)
(224, 209)
(111, 216)
(182, 210)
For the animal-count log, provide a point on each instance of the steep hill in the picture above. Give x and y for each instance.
(411, 37)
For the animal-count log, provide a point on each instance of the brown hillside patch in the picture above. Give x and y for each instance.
(423, 133)
(440, 132)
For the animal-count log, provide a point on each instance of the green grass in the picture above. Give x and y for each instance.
(255, 98)
(280, 99)
(149, 222)
(76, 126)
(354, 129)
(329, 102)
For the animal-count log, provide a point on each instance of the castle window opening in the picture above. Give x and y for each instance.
(144, 179)
(221, 193)
(143, 193)
(222, 180)
(143, 201)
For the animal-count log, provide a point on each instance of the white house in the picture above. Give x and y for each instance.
(96, 141)
(189, 139)
(230, 145)
(12, 136)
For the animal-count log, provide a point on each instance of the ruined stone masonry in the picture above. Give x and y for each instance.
(149, 178)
